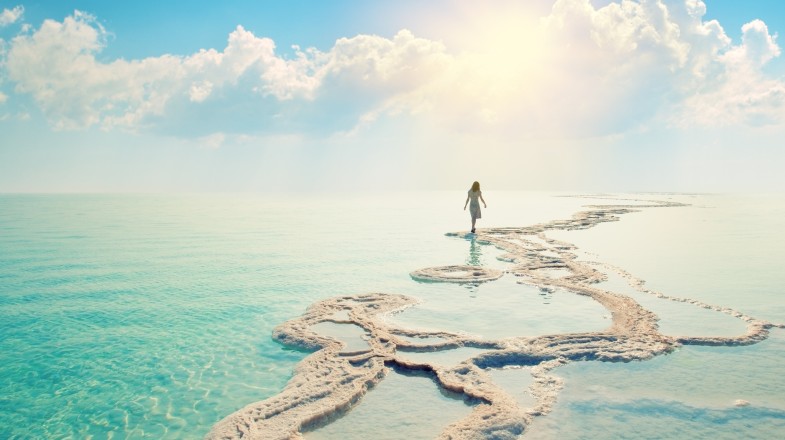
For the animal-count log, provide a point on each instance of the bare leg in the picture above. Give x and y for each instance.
(474, 220)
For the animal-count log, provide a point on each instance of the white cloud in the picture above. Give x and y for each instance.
(740, 93)
(580, 71)
(3, 97)
(200, 91)
(57, 65)
(591, 71)
(757, 48)
(10, 16)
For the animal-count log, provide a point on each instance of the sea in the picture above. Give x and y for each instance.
(139, 316)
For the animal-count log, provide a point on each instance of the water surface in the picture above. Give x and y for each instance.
(144, 316)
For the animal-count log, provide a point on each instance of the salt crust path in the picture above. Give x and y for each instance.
(327, 383)
(457, 274)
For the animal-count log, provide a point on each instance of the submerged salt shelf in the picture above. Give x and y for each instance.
(330, 382)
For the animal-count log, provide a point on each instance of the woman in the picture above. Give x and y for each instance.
(474, 208)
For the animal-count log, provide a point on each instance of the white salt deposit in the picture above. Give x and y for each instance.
(333, 379)
(457, 274)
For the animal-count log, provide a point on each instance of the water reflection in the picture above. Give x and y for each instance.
(474, 259)
(546, 295)
(475, 253)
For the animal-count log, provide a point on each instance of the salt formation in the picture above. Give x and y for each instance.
(457, 274)
(327, 383)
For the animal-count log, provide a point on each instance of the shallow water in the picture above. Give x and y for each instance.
(501, 309)
(353, 336)
(724, 249)
(401, 407)
(442, 358)
(515, 382)
(150, 316)
(691, 393)
(678, 318)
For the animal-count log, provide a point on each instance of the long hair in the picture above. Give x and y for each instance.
(475, 186)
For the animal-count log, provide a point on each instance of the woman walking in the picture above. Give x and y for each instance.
(475, 195)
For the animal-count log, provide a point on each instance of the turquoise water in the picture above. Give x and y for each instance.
(139, 316)
(150, 316)
(688, 394)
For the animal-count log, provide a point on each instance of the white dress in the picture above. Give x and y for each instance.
(474, 204)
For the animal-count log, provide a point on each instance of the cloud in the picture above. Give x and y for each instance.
(11, 16)
(627, 66)
(740, 93)
(584, 71)
(579, 71)
(245, 86)
(200, 91)
(757, 48)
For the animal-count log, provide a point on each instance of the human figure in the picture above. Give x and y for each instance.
(475, 195)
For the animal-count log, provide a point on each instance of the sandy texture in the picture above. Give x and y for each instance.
(457, 274)
(329, 382)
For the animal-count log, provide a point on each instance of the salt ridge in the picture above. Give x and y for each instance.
(327, 383)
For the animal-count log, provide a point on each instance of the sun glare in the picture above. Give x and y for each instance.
(501, 57)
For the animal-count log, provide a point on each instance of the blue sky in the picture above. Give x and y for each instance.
(575, 95)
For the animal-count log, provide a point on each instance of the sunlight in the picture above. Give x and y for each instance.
(504, 47)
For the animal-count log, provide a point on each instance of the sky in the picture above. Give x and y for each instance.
(349, 95)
